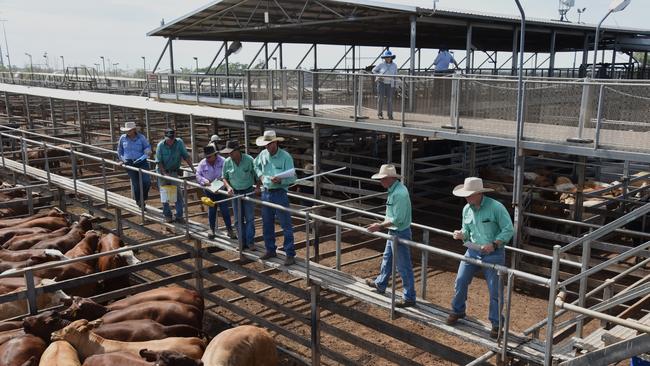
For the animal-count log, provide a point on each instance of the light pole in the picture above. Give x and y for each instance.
(47, 62)
(4, 32)
(103, 65)
(115, 68)
(62, 64)
(275, 60)
(580, 11)
(614, 7)
(31, 65)
(144, 67)
(196, 62)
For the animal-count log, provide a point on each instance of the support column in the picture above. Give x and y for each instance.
(227, 62)
(613, 65)
(317, 187)
(8, 106)
(147, 126)
(28, 115)
(281, 56)
(52, 115)
(518, 221)
(405, 170)
(315, 324)
(82, 129)
(195, 154)
(585, 52)
(171, 80)
(266, 55)
(389, 148)
(413, 22)
(551, 60)
(515, 38)
(315, 57)
(111, 126)
(468, 50)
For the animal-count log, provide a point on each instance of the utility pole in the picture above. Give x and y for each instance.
(4, 32)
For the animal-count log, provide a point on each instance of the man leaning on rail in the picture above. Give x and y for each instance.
(133, 149)
(486, 228)
(210, 169)
(398, 223)
(169, 153)
(274, 168)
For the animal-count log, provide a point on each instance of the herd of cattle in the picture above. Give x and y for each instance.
(157, 327)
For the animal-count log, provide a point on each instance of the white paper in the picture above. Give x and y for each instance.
(473, 246)
(215, 186)
(286, 174)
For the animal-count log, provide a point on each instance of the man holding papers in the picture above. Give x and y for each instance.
(239, 178)
(486, 229)
(209, 172)
(274, 168)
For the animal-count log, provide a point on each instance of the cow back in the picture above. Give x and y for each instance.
(171, 293)
(144, 330)
(13, 222)
(245, 345)
(22, 351)
(60, 353)
(21, 242)
(163, 312)
(48, 222)
(65, 242)
(8, 233)
(116, 358)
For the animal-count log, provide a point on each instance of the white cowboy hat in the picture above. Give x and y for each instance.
(214, 138)
(386, 170)
(128, 126)
(471, 186)
(268, 137)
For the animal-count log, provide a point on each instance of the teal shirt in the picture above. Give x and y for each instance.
(267, 166)
(240, 176)
(487, 223)
(170, 156)
(398, 206)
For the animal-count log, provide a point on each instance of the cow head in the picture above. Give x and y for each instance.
(44, 324)
(82, 308)
(86, 222)
(169, 358)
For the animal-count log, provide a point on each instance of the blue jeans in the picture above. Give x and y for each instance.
(167, 212)
(247, 220)
(404, 266)
(466, 272)
(135, 182)
(384, 91)
(279, 197)
(224, 207)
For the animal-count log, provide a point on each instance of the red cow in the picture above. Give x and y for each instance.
(48, 222)
(87, 246)
(66, 242)
(113, 261)
(25, 350)
(29, 240)
(10, 232)
(144, 330)
(13, 222)
(245, 345)
(172, 293)
(48, 255)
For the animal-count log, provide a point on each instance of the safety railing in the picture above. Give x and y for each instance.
(198, 88)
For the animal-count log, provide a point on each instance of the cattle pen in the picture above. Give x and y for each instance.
(576, 284)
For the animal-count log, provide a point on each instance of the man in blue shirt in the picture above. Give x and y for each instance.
(133, 149)
(486, 229)
(169, 153)
(443, 60)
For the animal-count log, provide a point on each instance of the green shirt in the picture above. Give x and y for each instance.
(240, 176)
(398, 206)
(170, 156)
(267, 166)
(487, 223)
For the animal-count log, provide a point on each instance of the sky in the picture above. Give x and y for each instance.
(83, 30)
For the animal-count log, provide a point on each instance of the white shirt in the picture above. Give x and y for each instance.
(443, 60)
(385, 68)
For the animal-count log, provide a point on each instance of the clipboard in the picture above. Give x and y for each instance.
(216, 185)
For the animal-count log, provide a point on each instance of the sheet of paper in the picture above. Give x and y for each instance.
(286, 174)
(473, 246)
(215, 185)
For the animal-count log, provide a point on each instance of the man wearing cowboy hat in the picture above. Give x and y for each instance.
(210, 169)
(486, 228)
(385, 83)
(133, 149)
(169, 153)
(239, 177)
(398, 223)
(268, 164)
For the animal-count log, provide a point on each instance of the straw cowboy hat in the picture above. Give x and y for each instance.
(128, 126)
(385, 171)
(209, 150)
(388, 54)
(471, 186)
(268, 137)
(231, 145)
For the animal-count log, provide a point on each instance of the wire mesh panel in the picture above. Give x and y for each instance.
(334, 95)
(624, 118)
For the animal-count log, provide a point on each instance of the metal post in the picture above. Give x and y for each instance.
(411, 89)
(171, 82)
(317, 186)
(315, 324)
(424, 265)
(147, 126)
(7, 105)
(405, 163)
(355, 81)
(198, 266)
(403, 102)
(195, 154)
(389, 148)
(73, 159)
(104, 182)
(30, 200)
(31, 292)
(468, 50)
(240, 224)
(52, 114)
(599, 115)
(551, 60)
(119, 228)
(307, 248)
(301, 82)
(28, 114)
(338, 239)
(607, 294)
(187, 211)
(142, 203)
(249, 88)
(586, 255)
(82, 130)
(550, 313)
(394, 243)
(506, 326)
(515, 35)
(111, 126)
(314, 90)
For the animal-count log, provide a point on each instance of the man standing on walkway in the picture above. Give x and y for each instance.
(486, 229)
(275, 170)
(398, 223)
(210, 169)
(385, 83)
(239, 178)
(169, 153)
(133, 149)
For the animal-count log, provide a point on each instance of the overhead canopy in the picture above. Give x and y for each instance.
(370, 23)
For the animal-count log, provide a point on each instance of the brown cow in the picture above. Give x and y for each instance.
(172, 293)
(163, 312)
(29, 240)
(19, 307)
(144, 330)
(79, 334)
(24, 350)
(5, 326)
(87, 246)
(69, 271)
(47, 255)
(10, 334)
(245, 345)
(60, 353)
(108, 262)
(21, 255)
(10, 232)
(117, 358)
(167, 358)
(9, 284)
(48, 222)
(13, 222)
(44, 324)
(65, 242)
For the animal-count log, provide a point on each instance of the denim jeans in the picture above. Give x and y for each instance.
(247, 218)
(167, 212)
(135, 182)
(466, 272)
(384, 91)
(404, 266)
(279, 197)
(224, 207)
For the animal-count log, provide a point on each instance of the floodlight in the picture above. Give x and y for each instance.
(618, 5)
(234, 48)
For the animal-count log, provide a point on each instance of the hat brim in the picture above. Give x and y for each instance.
(392, 57)
(381, 176)
(124, 129)
(226, 150)
(261, 142)
(459, 191)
